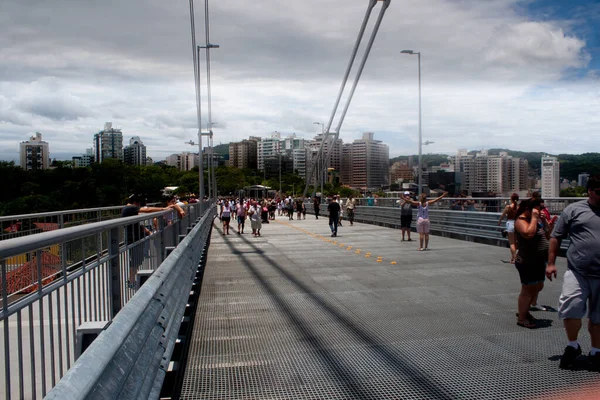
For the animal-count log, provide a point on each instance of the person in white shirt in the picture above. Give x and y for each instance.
(255, 222)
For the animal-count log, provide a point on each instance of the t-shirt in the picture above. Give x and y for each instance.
(254, 213)
(406, 209)
(133, 231)
(333, 208)
(581, 222)
(350, 203)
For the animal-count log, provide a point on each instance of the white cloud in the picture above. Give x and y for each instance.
(491, 77)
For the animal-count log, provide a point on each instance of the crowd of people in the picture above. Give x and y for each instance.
(534, 237)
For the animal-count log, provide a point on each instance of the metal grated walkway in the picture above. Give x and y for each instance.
(295, 315)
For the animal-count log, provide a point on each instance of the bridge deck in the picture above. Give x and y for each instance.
(294, 315)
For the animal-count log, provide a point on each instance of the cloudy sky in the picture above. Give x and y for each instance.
(495, 73)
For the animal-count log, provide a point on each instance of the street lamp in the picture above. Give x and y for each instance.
(320, 168)
(412, 53)
(212, 178)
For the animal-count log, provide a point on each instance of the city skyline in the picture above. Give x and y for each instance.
(518, 74)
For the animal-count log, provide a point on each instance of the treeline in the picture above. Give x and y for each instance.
(111, 182)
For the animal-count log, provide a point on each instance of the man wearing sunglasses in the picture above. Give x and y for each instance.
(581, 283)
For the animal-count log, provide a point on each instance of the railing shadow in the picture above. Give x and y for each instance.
(328, 356)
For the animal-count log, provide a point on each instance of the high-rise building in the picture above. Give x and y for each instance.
(369, 163)
(184, 161)
(84, 160)
(299, 161)
(244, 154)
(268, 147)
(108, 143)
(484, 173)
(401, 172)
(582, 179)
(550, 176)
(135, 153)
(34, 154)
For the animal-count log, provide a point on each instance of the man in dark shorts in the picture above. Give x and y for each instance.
(581, 283)
(317, 205)
(406, 214)
(334, 216)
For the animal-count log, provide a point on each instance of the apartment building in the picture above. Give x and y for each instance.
(34, 154)
(550, 176)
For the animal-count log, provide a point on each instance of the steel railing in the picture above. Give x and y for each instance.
(129, 360)
(472, 226)
(482, 204)
(13, 226)
(72, 276)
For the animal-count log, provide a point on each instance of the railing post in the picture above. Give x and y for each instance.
(115, 273)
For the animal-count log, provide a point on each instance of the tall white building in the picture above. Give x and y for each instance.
(482, 172)
(34, 154)
(135, 153)
(108, 143)
(550, 176)
(268, 147)
(184, 161)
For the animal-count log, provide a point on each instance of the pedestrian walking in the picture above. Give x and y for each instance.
(290, 208)
(241, 217)
(350, 207)
(423, 223)
(581, 283)
(225, 215)
(317, 206)
(254, 213)
(334, 216)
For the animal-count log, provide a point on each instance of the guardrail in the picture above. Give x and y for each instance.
(130, 358)
(72, 276)
(483, 204)
(474, 226)
(13, 226)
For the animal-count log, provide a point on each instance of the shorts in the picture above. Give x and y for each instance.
(225, 219)
(531, 274)
(423, 225)
(579, 295)
(405, 221)
(241, 220)
(510, 226)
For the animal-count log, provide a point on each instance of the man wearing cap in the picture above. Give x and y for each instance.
(581, 283)
(406, 212)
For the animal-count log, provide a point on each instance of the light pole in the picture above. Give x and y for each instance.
(211, 171)
(196, 59)
(320, 168)
(411, 52)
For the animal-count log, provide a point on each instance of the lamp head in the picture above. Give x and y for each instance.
(407, 52)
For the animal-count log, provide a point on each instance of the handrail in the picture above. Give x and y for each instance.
(54, 213)
(135, 346)
(23, 244)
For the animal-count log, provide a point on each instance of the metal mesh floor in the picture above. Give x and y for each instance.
(295, 315)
